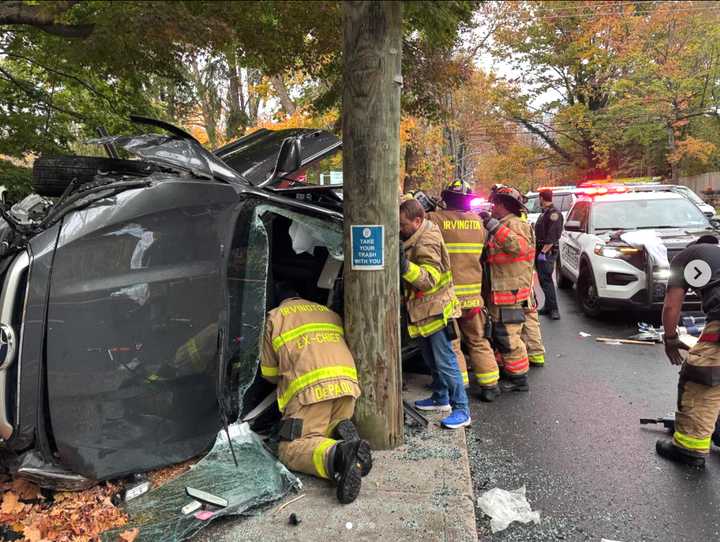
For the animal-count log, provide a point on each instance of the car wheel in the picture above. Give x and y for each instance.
(587, 292)
(563, 283)
(53, 174)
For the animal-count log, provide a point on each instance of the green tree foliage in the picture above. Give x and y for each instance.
(68, 67)
(615, 88)
(16, 180)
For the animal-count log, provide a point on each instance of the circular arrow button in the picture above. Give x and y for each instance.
(697, 273)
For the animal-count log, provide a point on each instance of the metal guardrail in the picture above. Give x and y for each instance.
(8, 299)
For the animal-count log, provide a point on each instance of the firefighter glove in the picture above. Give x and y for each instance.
(673, 345)
(404, 264)
(491, 224)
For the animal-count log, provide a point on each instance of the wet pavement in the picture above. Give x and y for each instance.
(575, 442)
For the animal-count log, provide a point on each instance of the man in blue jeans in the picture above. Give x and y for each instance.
(432, 307)
(548, 229)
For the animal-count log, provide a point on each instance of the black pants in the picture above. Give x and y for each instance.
(545, 274)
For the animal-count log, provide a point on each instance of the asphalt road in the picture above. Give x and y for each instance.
(574, 441)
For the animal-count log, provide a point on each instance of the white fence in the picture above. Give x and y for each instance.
(699, 183)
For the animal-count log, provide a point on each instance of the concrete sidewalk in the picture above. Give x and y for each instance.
(420, 491)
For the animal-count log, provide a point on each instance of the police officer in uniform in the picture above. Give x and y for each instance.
(548, 229)
(698, 403)
(305, 353)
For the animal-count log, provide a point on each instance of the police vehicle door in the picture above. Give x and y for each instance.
(575, 228)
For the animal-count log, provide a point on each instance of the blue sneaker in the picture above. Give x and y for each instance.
(456, 420)
(431, 404)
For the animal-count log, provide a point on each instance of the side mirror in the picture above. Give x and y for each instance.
(289, 157)
(572, 225)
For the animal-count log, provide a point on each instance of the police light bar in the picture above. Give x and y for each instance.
(590, 189)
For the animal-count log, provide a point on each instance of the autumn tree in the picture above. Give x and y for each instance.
(671, 85)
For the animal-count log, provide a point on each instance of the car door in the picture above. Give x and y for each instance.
(570, 244)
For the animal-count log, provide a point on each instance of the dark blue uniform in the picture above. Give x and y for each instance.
(548, 229)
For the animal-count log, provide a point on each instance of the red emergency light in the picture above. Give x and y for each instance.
(590, 189)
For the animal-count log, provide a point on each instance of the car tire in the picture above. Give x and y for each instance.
(53, 174)
(587, 291)
(563, 283)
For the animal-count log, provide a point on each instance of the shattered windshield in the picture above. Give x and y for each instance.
(174, 152)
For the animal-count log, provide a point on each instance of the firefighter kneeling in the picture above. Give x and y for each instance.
(305, 353)
(510, 253)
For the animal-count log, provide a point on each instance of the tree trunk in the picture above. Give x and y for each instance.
(286, 102)
(236, 117)
(206, 104)
(411, 181)
(371, 159)
(254, 78)
(674, 164)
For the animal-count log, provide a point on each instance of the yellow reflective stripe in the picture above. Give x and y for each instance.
(537, 359)
(436, 325)
(468, 289)
(488, 378)
(413, 272)
(313, 377)
(465, 377)
(692, 443)
(265, 370)
(434, 273)
(296, 332)
(319, 456)
(465, 248)
(445, 279)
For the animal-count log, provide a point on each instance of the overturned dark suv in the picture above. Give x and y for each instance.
(134, 292)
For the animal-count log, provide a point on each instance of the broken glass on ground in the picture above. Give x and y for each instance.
(258, 480)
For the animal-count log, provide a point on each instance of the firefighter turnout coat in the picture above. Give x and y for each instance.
(510, 255)
(464, 236)
(429, 292)
(305, 353)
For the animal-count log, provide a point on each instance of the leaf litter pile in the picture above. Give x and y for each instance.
(29, 513)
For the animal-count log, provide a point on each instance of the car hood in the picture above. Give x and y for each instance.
(675, 238)
(177, 153)
(254, 156)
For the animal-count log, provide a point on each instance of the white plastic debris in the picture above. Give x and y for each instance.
(504, 507)
(583, 334)
(349, 525)
(608, 540)
(652, 243)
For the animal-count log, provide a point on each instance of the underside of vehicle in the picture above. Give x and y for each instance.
(133, 302)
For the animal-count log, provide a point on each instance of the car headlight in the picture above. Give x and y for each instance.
(662, 274)
(615, 252)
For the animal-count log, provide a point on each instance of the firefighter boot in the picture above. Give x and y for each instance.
(343, 466)
(666, 449)
(488, 395)
(716, 434)
(515, 383)
(346, 430)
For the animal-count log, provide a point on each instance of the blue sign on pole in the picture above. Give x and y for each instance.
(367, 247)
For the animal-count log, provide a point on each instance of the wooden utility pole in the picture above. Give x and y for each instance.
(371, 160)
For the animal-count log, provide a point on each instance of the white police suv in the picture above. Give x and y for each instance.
(609, 272)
